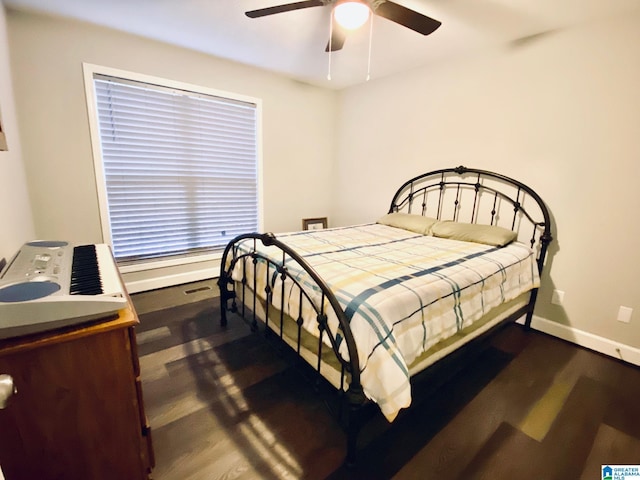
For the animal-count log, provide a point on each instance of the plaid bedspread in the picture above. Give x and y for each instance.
(401, 291)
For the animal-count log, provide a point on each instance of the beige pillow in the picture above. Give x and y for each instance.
(406, 221)
(472, 232)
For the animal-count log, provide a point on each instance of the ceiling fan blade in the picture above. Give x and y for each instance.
(409, 18)
(263, 12)
(338, 36)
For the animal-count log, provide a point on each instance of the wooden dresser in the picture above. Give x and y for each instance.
(78, 412)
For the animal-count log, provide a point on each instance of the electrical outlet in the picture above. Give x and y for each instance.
(624, 314)
(557, 297)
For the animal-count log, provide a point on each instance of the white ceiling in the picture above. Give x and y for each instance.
(293, 43)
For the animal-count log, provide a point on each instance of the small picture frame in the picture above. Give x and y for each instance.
(319, 223)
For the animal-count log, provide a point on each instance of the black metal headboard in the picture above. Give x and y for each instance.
(470, 195)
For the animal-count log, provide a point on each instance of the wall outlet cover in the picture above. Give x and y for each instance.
(624, 314)
(557, 297)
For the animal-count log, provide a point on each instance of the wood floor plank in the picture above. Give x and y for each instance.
(625, 398)
(153, 335)
(540, 418)
(570, 438)
(610, 447)
(186, 323)
(501, 456)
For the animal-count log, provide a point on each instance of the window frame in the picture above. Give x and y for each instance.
(89, 70)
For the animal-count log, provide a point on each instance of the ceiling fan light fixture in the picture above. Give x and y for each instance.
(351, 14)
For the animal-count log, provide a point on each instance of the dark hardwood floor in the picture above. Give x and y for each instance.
(224, 404)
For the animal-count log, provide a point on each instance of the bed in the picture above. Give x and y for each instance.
(458, 255)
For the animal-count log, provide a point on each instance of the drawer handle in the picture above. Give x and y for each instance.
(7, 389)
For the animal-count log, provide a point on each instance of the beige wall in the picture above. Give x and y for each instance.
(561, 114)
(46, 60)
(16, 223)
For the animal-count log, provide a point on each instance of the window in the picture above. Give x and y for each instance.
(177, 165)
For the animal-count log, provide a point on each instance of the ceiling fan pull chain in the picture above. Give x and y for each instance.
(330, 45)
(370, 41)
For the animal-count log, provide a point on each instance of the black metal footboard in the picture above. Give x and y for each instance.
(276, 275)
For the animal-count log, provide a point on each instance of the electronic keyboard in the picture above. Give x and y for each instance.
(53, 284)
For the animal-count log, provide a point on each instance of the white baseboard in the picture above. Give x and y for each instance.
(166, 280)
(588, 340)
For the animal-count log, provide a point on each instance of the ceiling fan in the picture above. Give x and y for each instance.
(384, 8)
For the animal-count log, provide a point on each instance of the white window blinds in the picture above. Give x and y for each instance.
(180, 168)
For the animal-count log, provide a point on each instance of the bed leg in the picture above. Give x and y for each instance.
(225, 295)
(354, 424)
(223, 315)
(531, 306)
(527, 321)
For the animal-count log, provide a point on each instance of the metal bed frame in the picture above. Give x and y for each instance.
(459, 194)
